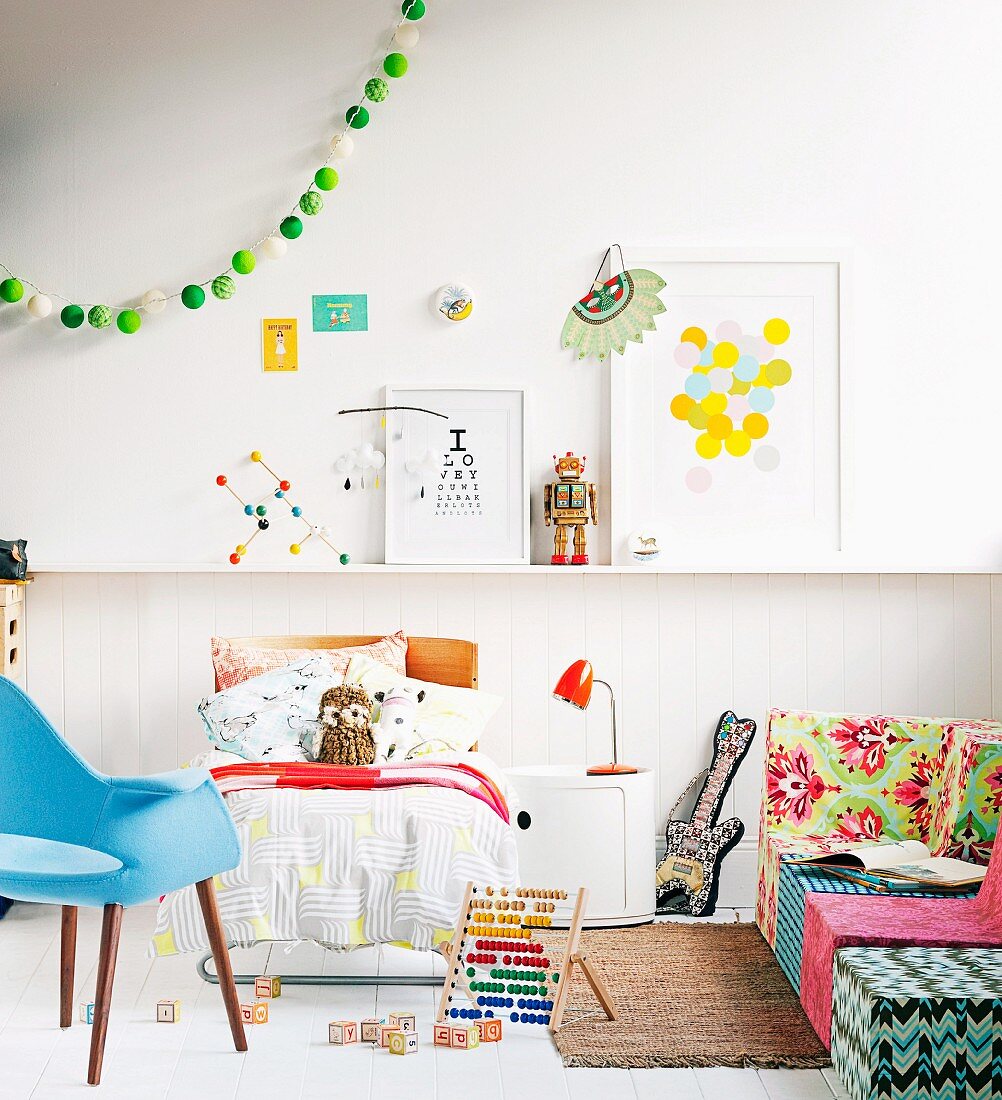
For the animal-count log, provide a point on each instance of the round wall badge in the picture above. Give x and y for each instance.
(453, 302)
(645, 545)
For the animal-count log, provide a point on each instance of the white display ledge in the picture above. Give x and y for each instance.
(702, 565)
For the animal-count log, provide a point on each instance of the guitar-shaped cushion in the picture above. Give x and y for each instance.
(695, 849)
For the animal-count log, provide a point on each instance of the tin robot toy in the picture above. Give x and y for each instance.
(570, 502)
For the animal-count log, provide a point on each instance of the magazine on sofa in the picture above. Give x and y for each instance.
(897, 864)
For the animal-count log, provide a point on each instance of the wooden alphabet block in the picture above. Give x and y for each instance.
(385, 1031)
(268, 986)
(403, 1021)
(403, 1042)
(464, 1038)
(443, 1035)
(489, 1031)
(343, 1032)
(369, 1029)
(168, 1012)
(86, 1012)
(256, 1013)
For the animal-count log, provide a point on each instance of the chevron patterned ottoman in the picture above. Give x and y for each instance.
(917, 1023)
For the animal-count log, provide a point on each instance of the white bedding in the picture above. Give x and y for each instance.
(348, 867)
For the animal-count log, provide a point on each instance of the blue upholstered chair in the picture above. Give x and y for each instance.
(71, 836)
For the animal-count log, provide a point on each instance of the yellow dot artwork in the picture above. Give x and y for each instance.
(740, 365)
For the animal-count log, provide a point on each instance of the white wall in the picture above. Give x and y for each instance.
(119, 661)
(141, 149)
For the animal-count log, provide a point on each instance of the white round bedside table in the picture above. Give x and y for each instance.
(574, 829)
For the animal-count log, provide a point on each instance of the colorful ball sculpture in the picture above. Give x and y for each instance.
(243, 262)
(413, 9)
(99, 317)
(72, 316)
(357, 117)
(193, 296)
(39, 305)
(11, 290)
(129, 321)
(223, 287)
(395, 64)
(376, 89)
(311, 203)
(291, 227)
(326, 179)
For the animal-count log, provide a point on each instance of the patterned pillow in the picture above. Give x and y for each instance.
(268, 717)
(233, 664)
(449, 719)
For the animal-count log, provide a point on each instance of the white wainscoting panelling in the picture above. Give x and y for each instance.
(120, 661)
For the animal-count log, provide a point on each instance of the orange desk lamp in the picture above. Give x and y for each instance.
(574, 687)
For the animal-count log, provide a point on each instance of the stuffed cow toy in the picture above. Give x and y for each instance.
(394, 732)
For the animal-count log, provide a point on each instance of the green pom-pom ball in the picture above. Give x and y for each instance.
(395, 64)
(129, 321)
(291, 227)
(311, 203)
(243, 262)
(326, 179)
(193, 296)
(413, 9)
(376, 89)
(357, 117)
(344, 559)
(11, 290)
(99, 316)
(223, 287)
(72, 316)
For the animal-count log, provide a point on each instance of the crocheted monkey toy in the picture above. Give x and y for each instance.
(345, 730)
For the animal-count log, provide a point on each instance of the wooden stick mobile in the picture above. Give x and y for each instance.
(502, 971)
(260, 510)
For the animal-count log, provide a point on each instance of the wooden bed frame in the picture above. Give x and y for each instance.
(449, 661)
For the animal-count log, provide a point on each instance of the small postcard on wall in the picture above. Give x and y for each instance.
(340, 313)
(279, 344)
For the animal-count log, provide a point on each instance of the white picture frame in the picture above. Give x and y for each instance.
(480, 522)
(797, 520)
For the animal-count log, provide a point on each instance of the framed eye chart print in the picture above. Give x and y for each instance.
(457, 476)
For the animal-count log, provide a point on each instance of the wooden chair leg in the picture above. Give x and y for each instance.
(217, 941)
(111, 929)
(67, 963)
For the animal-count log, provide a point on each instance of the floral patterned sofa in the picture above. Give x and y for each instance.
(838, 777)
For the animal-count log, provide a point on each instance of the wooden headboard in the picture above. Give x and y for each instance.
(449, 661)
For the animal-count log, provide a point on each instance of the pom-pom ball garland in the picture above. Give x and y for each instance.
(326, 179)
(272, 247)
(129, 321)
(39, 305)
(12, 290)
(291, 227)
(223, 287)
(193, 296)
(394, 64)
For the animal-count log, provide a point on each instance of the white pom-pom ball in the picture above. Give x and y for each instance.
(39, 305)
(342, 146)
(154, 301)
(274, 248)
(407, 36)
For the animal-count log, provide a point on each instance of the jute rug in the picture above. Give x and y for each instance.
(688, 995)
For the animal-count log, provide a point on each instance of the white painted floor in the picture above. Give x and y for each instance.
(290, 1057)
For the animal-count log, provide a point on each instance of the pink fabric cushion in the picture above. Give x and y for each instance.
(234, 665)
(832, 921)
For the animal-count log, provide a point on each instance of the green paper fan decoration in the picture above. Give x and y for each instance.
(614, 312)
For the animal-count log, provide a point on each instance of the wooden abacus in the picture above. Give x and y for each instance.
(495, 932)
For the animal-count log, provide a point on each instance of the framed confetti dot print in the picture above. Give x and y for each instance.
(728, 424)
(457, 476)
